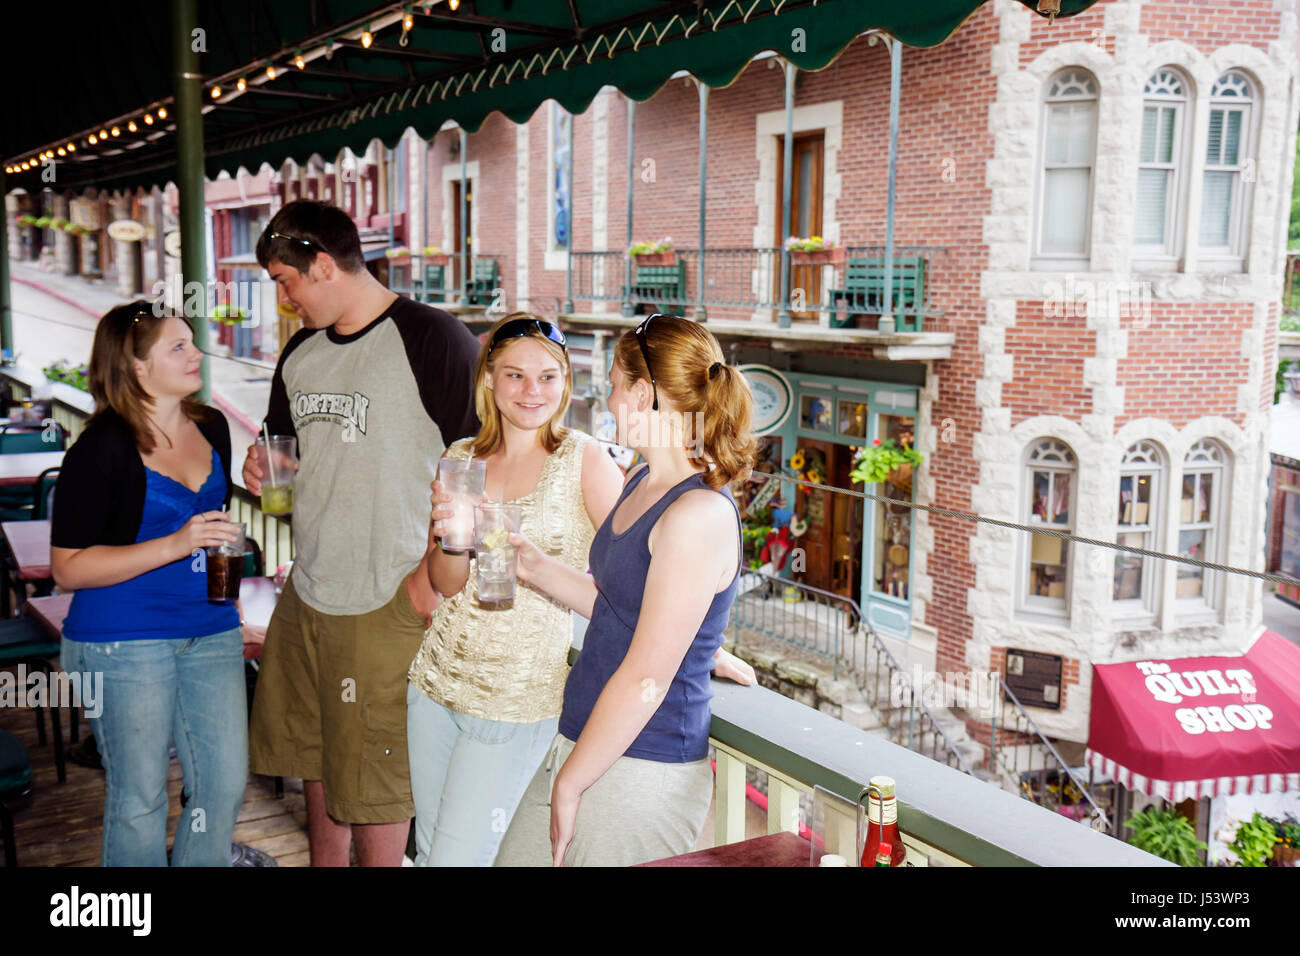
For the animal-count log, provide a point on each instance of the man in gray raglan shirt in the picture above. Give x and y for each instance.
(374, 387)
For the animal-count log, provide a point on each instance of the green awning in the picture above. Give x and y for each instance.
(506, 56)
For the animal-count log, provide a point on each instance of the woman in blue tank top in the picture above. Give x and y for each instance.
(139, 495)
(627, 778)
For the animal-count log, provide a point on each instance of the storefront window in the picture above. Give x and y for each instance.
(893, 526)
(1290, 558)
(853, 419)
(1051, 474)
(815, 412)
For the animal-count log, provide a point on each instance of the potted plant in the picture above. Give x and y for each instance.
(433, 256)
(651, 253)
(1163, 833)
(1253, 844)
(398, 252)
(887, 461)
(813, 251)
(62, 372)
(43, 222)
(1286, 849)
(26, 219)
(227, 314)
(59, 222)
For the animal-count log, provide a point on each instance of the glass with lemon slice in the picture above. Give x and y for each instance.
(494, 556)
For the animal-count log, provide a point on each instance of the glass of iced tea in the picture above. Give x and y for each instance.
(226, 568)
(277, 457)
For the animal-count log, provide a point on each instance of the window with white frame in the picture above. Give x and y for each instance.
(1050, 467)
(1137, 517)
(1155, 227)
(1227, 165)
(1069, 135)
(1200, 522)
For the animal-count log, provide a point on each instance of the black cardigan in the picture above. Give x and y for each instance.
(99, 497)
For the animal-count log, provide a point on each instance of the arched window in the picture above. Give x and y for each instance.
(1156, 225)
(1200, 521)
(1050, 467)
(1228, 164)
(1137, 518)
(1069, 136)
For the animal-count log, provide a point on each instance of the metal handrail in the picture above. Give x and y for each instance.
(894, 669)
(1098, 814)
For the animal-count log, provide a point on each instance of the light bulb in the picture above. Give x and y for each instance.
(162, 113)
(270, 71)
(72, 147)
(240, 84)
(115, 131)
(103, 134)
(408, 22)
(367, 39)
(299, 62)
(62, 151)
(93, 139)
(148, 118)
(453, 5)
(131, 127)
(216, 92)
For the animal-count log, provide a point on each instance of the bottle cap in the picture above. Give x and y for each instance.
(885, 849)
(885, 785)
(832, 859)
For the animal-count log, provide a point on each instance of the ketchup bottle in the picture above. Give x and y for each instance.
(887, 814)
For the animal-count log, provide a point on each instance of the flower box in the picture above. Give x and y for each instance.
(833, 256)
(655, 258)
(437, 259)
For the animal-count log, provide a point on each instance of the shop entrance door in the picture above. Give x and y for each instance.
(805, 216)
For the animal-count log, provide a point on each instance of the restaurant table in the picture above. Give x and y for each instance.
(26, 467)
(29, 541)
(777, 849)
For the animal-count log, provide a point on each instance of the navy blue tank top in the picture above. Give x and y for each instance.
(678, 732)
(167, 603)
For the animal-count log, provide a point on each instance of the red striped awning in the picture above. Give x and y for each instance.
(1200, 726)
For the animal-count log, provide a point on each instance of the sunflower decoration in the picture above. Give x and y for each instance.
(797, 460)
(814, 475)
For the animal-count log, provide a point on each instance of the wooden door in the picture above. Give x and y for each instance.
(817, 508)
(805, 213)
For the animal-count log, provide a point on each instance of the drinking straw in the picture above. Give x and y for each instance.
(266, 434)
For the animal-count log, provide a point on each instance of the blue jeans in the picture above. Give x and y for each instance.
(190, 691)
(467, 777)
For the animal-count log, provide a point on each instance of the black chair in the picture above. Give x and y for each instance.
(19, 439)
(15, 789)
(43, 494)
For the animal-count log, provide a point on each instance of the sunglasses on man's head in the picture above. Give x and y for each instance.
(639, 332)
(309, 243)
(517, 328)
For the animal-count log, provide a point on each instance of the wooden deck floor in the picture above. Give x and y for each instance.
(61, 826)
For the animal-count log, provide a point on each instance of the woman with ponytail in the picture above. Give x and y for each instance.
(627, 778)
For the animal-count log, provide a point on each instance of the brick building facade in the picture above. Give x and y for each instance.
(1104, 200)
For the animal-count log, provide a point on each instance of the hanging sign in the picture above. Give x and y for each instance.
(126, 230)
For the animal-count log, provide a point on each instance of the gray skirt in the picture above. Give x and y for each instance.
(638, 811)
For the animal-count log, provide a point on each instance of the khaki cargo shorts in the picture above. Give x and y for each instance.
(330, 705)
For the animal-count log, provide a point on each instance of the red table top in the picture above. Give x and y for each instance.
(30, 543)
(25, 468)
(777, 849)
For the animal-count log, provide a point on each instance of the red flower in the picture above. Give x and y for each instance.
(876, 441)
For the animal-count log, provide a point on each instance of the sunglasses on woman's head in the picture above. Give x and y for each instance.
(639, 332)
(517, 328)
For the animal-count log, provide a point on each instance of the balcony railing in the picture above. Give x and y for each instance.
(749, 279)
(946, 817)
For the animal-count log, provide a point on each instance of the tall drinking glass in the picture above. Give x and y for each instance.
(226, 568)
(494, 556)
(463, 480)
(277, 456)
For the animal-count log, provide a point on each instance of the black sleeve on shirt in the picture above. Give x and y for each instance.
(279, 416)
(442, 353)
(217, 432)
(88, 491)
